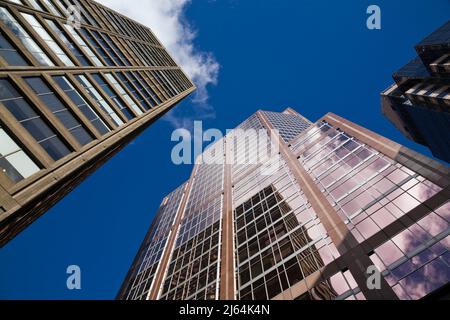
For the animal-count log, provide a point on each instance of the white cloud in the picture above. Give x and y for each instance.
(166, 19)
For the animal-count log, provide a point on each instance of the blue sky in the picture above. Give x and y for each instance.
(314, 56)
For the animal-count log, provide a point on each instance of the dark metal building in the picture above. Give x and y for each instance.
(419, 103)
(78, 82)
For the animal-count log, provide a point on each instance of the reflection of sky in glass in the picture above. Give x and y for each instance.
(370, 192)
(444, 211)
(418, 263)
(426, 279)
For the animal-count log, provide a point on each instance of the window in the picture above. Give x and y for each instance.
(24, 37)
(68, 43)
(52, 8)
(61, 7)
(147, 86)
(106, 46)
(280, 247)
(137, 94)
(415, 262)
(36, 5)
(56, 106)
(164, 83)
(144, 92)
(31, 121)
(110, 92)
(139, 55)
(86, 16)
(10, 54)
(84, 107)
(14, 162)
(99, 99)
(83, 45)
(97, 47)
(114, 46)
(17, 1)
(48, 40)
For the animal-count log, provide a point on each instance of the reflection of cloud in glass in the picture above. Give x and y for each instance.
(401, 292)
(405, 269)
(326, 255)
(444, 211)
(446, 258)
(406, 203)
(427, 279)
(339, 284)
(446, 242)
(423, 258)
(410, 239)
(383, 218)
(398, 176)
(424, 192)
(430, 275)
(433, 224)
(389, 253)
(368, 228)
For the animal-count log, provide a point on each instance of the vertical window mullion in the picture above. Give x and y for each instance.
(108, 89)
(48, 39)
(85, 108)
(29, 45)
(101, 101)
(63, 113)
(27, 115)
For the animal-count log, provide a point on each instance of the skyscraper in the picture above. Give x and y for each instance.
(78, 82)
(333, 204)
(419, 103)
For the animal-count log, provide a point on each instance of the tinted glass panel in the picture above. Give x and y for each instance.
(57, 107)
(31, 121)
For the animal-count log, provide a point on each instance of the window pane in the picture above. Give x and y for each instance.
(110, 92)
(99, 99)
(55, 147)
(30, 120)
(97, 47)
(23, 164)
(13, 161)
(123, 93)
(10, 54)
(84, 107)
(68, 43)
(7, 145)
(52, 7)
(137, 94)
(83, 45)
(57, 107)
(24, 37)
(48, 39)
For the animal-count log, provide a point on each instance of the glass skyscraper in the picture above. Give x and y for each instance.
(78, 82)
(333, 204)
(419, 102)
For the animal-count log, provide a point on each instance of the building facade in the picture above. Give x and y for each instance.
(78, 82)
(419, 102)
(332, 204)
